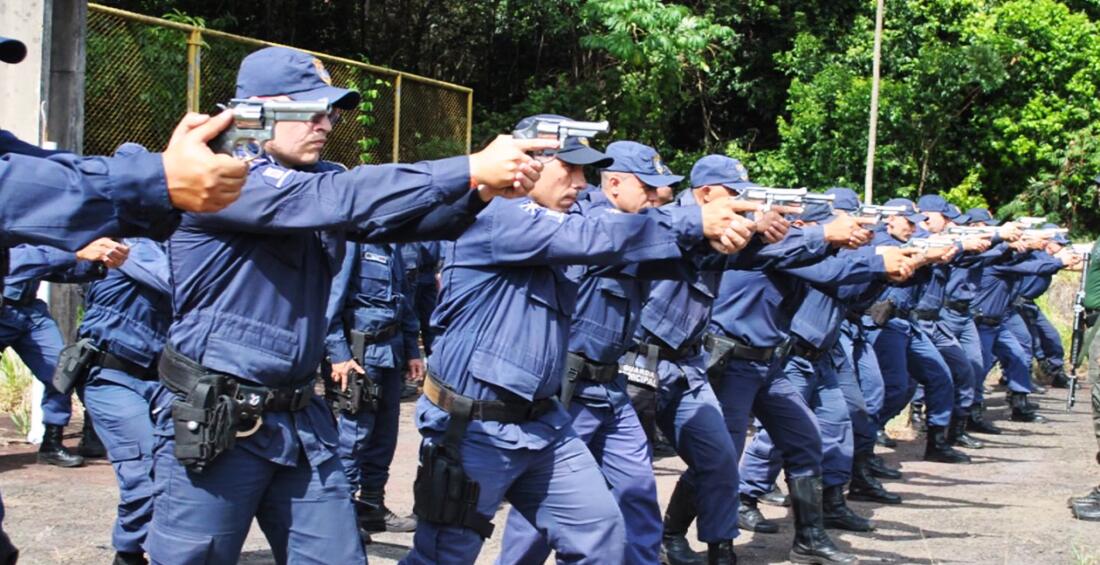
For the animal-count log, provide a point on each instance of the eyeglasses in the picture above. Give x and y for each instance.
(333, 117)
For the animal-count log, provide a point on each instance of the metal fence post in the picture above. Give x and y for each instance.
(397, 119)
(194, 70)
(469, 120)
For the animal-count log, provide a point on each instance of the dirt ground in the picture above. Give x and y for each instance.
(1008, 507)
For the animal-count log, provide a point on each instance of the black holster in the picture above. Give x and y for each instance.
(443, 493)
(362, 393)
(205, 422)
(881, 312)
(574, 367)
(73, 365)
(719, 350)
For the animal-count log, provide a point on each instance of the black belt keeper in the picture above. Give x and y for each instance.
(926, 315)
(803, 349)
(958, 306)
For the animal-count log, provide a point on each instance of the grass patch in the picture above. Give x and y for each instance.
(15, 390)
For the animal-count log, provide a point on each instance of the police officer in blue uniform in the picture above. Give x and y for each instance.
(957, 314)
(1046, 341)
(27, 327)
(126, 319)
(604, 320)
(809, 366)
(906, 355)
(927, 312)
(491, 424)
(373, 337)
(241, 433)
(992, 304)
(94, 197)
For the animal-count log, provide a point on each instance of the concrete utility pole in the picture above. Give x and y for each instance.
(872, 133)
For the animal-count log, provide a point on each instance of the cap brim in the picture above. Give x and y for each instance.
(339, 97)
(961, 219)
(992, 222)
(739, 186)
(660, 180)
(916, 218)
(582, 155)
(12, 50)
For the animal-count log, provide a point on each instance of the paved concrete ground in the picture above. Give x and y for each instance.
(1007, 507)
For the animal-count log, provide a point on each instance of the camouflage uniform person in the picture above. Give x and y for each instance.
(1088, 507)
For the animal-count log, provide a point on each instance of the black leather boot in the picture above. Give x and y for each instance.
(750, 519)
(837, 514)
(880, 469)
(978, 424)
(956, 434)
(1022, 411)
(375, 517)
(1093, 497)
(90, 447)
(53, 452)
(864, 486)
(775, 497)
(679, 514)
(884, 440)
(128, 558)
(936, 449)
(8, 553)
(721, 553)
(811, 542)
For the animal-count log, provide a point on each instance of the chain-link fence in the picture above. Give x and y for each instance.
(143, 73)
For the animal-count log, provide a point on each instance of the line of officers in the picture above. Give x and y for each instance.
(572, 323)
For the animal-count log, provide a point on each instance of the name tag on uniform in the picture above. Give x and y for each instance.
(376, 258)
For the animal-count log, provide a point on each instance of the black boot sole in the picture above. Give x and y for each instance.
(947, 459)
(866, 497)
(813, 558)
(50, 460)
(848, 525)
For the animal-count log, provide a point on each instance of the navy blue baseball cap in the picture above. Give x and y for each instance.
(936, 203)
(642, 161)
(1059, 238)
(911, 212)
(814, 211)
(721, 170)
(844, 198)
(279, 71)
(956, 215)
(12, 50)
(574, 150)
(981, 215)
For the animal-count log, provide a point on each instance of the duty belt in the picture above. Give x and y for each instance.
(1022, 301)
(108, 360)
(959, 306)
(803, 349)
(988, 320)
(741, 350)
(926, 315)
(513, 412)
(667, 353)
(181, 375)
(598, 372)
(26, 300)
(360, 340)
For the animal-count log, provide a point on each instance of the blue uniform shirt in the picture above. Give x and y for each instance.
(251, 282)
(506, 302)
(372, 293)
(32, 264)
(66, 201)
(998, 280)
(129, 311)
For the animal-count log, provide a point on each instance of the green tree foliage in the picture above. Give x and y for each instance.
(991, 102)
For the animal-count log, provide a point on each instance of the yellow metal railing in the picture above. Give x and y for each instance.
(144, 72)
